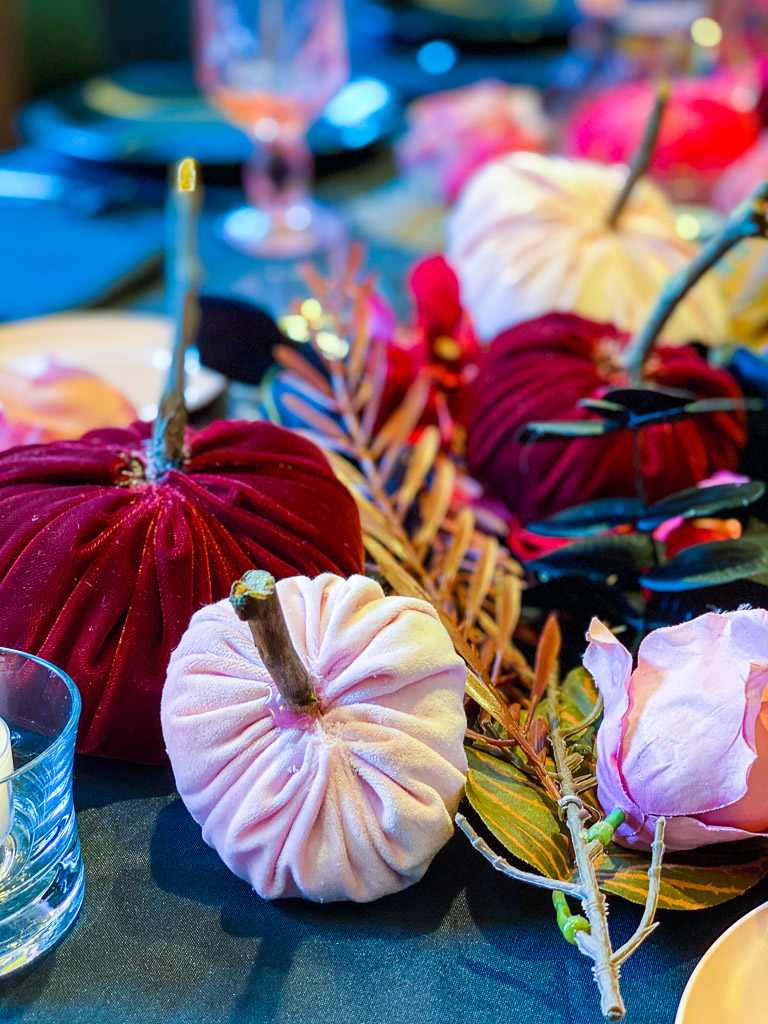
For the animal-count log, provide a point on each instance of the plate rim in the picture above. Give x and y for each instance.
(218, 382)
(709, 954)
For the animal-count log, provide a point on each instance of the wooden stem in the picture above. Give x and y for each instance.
(255, 601)
(644, 154)
(606, 972)
(748, 220)
(183, 272)
(541, 881)
(647, 923)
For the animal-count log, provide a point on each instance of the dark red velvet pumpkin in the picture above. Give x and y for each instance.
(101, 569)
(539, 370)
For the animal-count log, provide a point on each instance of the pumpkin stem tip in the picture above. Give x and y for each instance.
(254, 598)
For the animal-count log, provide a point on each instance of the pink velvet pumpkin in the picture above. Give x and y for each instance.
(102, 567)
(351, 800)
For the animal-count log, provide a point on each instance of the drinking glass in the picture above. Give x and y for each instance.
(41, 870)
(271, 66)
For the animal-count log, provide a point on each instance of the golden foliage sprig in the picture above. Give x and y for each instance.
(426, 544)
(422, 541)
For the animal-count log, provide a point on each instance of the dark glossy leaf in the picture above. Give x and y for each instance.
(565, 430)
(588, 519)
(647, 401)
(668, 609)
(616, 559)
(577, 600)
(705, 565)
(702, 501)
(690, 880)
(684, 412)
(521, 817)
(608, 410)
(643, 407)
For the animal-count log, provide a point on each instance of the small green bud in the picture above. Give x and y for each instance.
(603, 830)
(568, 923)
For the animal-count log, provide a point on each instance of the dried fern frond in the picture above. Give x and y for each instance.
(419, 538)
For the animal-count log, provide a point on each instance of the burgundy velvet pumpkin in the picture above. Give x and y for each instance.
(101, 569)
(539, 370)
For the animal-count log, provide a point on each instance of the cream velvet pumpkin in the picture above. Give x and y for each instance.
(350, 802)
(529, 236)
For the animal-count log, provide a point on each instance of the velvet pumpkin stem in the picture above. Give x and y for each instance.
(748, 220)
(255, 601)
(644, 154)
(183, 271)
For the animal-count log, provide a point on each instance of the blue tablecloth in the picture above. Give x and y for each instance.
(168, 936)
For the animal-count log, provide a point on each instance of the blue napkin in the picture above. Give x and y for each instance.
(53, 259)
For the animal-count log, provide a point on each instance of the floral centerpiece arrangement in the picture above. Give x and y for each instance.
(339, 625)
(584, 775)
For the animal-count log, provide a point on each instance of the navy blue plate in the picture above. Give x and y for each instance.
(153, 114)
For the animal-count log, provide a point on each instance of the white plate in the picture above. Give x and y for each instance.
(730, 983)
(130, 351)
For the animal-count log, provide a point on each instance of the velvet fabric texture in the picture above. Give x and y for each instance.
(529, 236)
(351, 803)
(539, 370)
(101, 570)
(686, 734)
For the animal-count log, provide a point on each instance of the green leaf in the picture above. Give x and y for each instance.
(578, 696)
(521, 817)
(691, 880)
(565, 430)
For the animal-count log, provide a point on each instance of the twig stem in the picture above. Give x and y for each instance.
(647, 924)
(255, 601)
(585, 723)
(748, 220)
(183, 272)
(571, 888)
(606, 972)
(644, 154)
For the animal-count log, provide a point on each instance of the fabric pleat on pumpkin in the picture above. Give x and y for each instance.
(101, 571)
(539, 370)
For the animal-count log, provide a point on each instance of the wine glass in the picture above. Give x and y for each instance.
(271, 66)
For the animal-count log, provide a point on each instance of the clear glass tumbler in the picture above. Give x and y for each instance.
(41, 870)
(271, 66)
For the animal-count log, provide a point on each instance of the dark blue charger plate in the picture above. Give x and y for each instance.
(153, 114)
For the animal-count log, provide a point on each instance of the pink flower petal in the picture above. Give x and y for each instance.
(610, 664)
(693, 694)
(681, 833)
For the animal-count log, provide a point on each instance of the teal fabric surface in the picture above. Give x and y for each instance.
(168, 936)
(53, 259)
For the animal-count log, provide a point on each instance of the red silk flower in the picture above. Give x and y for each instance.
(445, 338)
(101, 569)
(539, 370)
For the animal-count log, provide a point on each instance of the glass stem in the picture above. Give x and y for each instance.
(279, 174)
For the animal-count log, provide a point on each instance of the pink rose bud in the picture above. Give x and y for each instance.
(686, 734)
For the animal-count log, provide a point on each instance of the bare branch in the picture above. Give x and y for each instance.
(511, 872)
(647, 923)
(593, 716)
